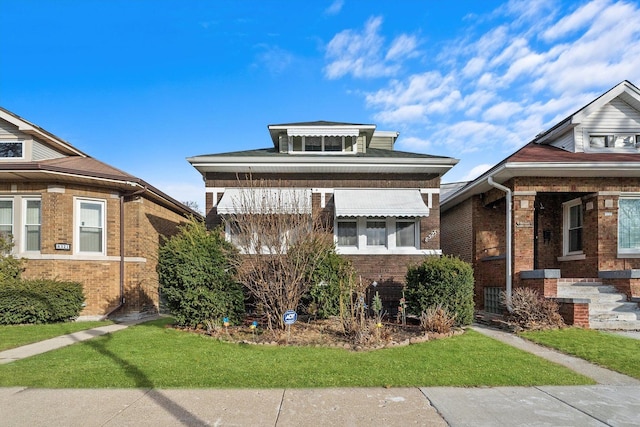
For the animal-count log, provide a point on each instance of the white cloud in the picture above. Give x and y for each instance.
(273, 58)
(476, 171)
(501, 111)
(414, 144)
(582, 17)
(334, 8)
(362, 54)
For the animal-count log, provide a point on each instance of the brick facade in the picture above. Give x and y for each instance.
(145, 222)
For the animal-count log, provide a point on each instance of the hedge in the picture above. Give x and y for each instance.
(39, 301)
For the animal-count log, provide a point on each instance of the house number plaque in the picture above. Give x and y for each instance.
(63, 246)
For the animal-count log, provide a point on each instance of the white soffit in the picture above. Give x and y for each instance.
(265, 201)
(323, 131)
(379, 202)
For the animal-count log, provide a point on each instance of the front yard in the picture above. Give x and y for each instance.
(17, 335)
(611, 351)
(151, 355)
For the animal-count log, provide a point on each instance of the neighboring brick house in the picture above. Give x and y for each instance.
(575, 215)
(75, 218)
(383, 204)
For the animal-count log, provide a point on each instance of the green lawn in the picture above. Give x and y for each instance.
(16, 335)
(612, 351)
(151, 355)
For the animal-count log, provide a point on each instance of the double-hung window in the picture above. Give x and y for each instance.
(6, 218)
(90, 226)
(573, 227)
(32, 224)
(376, 233)
(405, 233)
(629, 225)
(347, 232)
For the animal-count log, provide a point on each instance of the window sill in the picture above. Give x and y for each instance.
(629, 255)
(77, 257)
(385, 251)
(576, 257)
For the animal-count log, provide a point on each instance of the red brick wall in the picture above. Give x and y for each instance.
(457, 231)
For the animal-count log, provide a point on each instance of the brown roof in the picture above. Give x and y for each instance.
(540, 153)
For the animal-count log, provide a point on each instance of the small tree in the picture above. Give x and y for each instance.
(444, 281)
(10, 267)
(196, 270)
(282, 242)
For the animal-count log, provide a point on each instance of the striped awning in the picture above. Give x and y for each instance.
(265, 201)
(379, 203)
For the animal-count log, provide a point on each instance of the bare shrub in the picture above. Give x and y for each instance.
(531, 311)
(437, 319)
(353, 309)
(282, 241)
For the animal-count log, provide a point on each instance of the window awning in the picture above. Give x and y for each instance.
(379, 202)
(323, 131)
(265, 201)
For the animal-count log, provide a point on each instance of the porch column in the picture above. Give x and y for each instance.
(523, 236)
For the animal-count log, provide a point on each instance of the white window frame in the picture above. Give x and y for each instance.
(626, 251)
(353, 150)
(103, 226)
(390, 246)
(566, 208)
(24, 224)
(13, 216)
(14, 141)
(611, 134)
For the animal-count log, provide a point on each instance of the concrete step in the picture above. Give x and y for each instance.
(602, 306)
(625, 325)
(614, 315)
(590, 288)
(595, 297)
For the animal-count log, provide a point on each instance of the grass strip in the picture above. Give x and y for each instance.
(615, 352)
(12, 336)
(151, 355)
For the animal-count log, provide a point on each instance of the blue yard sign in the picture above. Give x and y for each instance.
(290, 317)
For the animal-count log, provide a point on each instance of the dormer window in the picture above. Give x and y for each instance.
(620, 141)
(324, 143)
(11, 149)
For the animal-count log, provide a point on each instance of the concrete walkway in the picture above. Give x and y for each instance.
(614, 402)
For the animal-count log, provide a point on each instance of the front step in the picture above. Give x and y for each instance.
(608, 308)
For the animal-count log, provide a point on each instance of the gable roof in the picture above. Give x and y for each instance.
(537, 158)
(79, 167)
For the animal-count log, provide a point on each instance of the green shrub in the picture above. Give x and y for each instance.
(196, 269)
(39, 301)
(445, 281)
(323, 299)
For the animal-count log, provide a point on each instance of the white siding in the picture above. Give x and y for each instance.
(565, 141)
(9, 131)
(43, 152)
(616, 116)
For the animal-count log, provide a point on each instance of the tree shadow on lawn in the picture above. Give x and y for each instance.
(180, 413)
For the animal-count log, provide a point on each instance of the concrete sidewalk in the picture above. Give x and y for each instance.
(431, 406)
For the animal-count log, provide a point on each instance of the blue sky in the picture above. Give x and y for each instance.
(141, 85)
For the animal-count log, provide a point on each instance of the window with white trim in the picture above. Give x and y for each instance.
(629, 224)
(573, 219)
(11, 149)
(614, 141)
(335, 144)
(6, 218)
(90, 237)
(32, 220)
(377, 235)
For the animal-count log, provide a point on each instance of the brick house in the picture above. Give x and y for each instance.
(383, 204)
(569, 203)
(75, 218)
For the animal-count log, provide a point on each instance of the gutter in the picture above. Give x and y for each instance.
(509, 228)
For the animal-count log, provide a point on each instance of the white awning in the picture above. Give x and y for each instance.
(265, 201)
(379, 202)
(324, 131)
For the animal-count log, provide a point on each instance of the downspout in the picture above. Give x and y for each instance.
(509, 227)
(122, 251)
